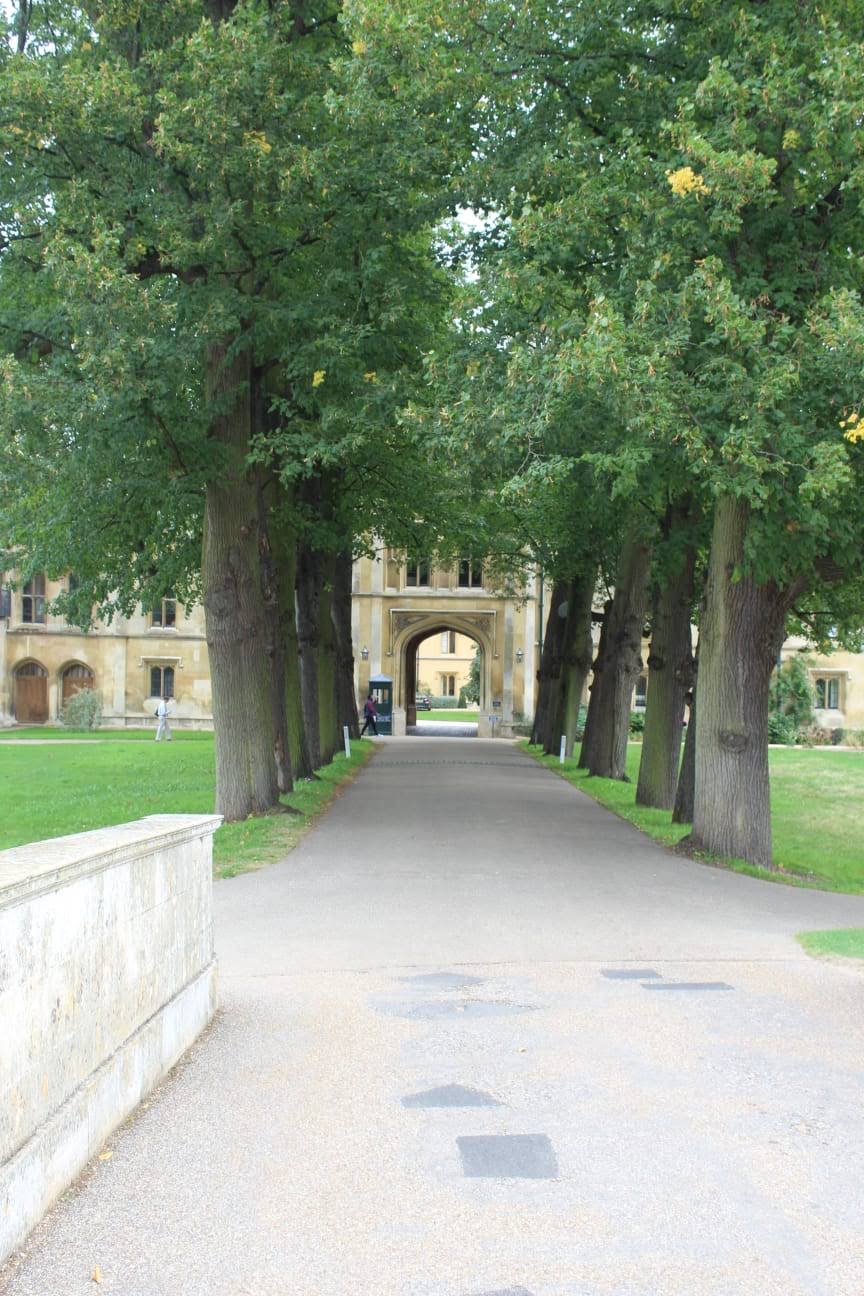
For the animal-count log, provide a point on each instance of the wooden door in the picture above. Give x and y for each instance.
(31, 699)
(74, 679)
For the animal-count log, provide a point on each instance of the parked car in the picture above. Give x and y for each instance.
(424, 702)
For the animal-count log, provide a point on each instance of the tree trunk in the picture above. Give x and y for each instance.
(233, 605)
(575, 661)
(592, 721)
(301, 763)
(310, 578)
(670, 670)
(682, 811)
(328, 710)
(556, 627)
(274, 643)
(545, 675)
(741, 636)
(622, 662)
(346, 700)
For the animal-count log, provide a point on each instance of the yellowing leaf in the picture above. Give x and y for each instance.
(359, 47)
(685, 181)
(260, 140)
(370, 376)
(318, 377)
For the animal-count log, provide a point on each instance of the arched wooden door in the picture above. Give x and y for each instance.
(75, 678)
(31, 694)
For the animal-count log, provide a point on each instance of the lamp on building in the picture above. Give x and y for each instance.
(519, 655)
(364, 653)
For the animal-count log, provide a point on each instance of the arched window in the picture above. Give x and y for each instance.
(31, 670)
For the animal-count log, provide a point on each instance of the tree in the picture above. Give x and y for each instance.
(188, 252)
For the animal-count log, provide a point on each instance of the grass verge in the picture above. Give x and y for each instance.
(241, 847)
(844, 942)
(52, 733)
(56, 790)
(456, 716)
(815, 795)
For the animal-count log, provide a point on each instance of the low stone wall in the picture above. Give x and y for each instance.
(107, 975)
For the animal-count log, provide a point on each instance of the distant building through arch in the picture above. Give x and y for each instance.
(397, 604)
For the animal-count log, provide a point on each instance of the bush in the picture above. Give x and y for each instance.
(444, 703)
(782, 729)
(83, 710)
(791, 702)
(637, 722)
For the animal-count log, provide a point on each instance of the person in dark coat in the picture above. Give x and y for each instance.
(370, 711)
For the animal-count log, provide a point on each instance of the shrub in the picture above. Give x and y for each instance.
(791, 702)
(782, 729)
(83, 710)
(637, 722)
(444, 703)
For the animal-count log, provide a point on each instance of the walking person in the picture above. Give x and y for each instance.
(370, 711)
(162, 729)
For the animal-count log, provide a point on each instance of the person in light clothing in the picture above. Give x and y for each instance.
(163, 728)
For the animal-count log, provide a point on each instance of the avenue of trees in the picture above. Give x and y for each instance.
(241, 331)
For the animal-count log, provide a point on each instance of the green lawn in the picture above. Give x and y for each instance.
(454, 716)
(50, 791)
(845, 942)
(816, 798)
(50, 733)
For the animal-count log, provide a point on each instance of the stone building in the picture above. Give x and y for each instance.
(43, 660)
(396, 606)
(416, 622)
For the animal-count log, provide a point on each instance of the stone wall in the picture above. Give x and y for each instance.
(107, 975)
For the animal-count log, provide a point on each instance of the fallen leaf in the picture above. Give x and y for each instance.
(96, 1275)
(105, 1156)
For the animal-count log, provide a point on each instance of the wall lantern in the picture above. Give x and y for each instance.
(519, 655)
(364, 653)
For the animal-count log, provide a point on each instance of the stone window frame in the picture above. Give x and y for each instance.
(33, 600)
(472, 569)
(827, 679)
(167, 613)
(422, 567)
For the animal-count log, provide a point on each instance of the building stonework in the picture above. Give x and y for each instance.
(399, 610)
(43, 660)
(397, 605)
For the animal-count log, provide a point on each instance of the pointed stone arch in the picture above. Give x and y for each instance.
(409, 629)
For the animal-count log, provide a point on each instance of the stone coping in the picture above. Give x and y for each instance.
(28, 871)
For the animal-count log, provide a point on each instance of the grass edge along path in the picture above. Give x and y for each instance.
(620, 798)
(263, 839)
(842, 942)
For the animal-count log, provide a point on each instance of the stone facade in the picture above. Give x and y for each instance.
(42, 658)
(398, 610)
(397, 606)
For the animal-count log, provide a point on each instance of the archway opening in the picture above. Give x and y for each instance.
(444, 682)
(31, 693)
(75, 677)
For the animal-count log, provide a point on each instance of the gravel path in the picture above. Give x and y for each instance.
(481, 1038)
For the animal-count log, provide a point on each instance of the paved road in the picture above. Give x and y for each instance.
(443, 729)
(481, 1038)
